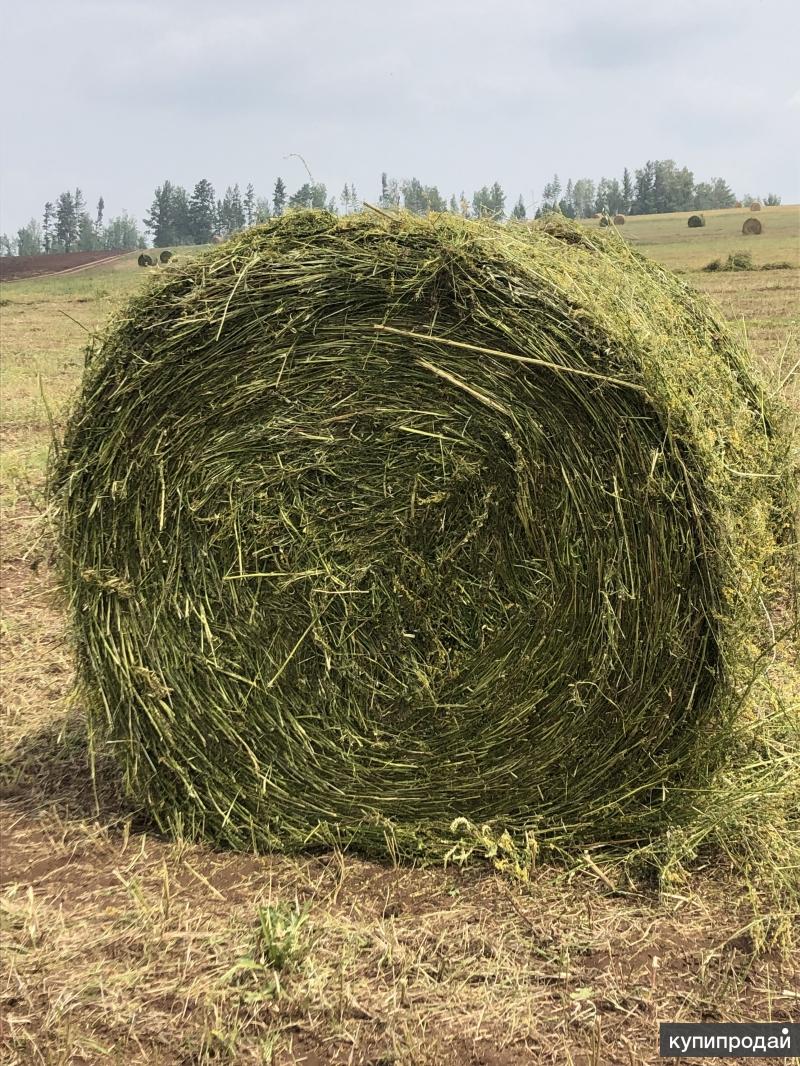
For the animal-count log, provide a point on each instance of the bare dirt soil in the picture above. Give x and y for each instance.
(19, 267)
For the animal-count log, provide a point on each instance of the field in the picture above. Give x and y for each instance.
(120, 946)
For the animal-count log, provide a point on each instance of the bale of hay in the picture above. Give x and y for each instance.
(374, 525)
(696, 221)
(619, 220)
(605, 221)
(755, 206)
(738, 203)
(144, 260)
(165, 256)
(216, 239)
(751, 226)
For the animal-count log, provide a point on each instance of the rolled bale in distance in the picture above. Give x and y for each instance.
(165, 256)
(605, 221)
(619, 220)
(696, 221)
(144, 260)
(371, 524)
(755, 206)
(751, 227)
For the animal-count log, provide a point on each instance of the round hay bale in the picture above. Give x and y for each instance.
(696, 221)
(738, 203)
(144, 260)
(755, 206)
(165, 256)
(373, 524)
(216, 239)
(619, 220)
(605, 221)
(751, 227)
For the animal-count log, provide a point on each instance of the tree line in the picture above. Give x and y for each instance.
(180, 217)
(68, 226)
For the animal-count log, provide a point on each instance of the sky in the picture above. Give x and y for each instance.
(114, 96)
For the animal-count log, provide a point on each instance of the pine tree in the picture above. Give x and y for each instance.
(47, 227)
(279, 198)
(627, 190)
(202, 212)
(66, 222)
(518, 211)
(161, 222)
(453, 205)
(98, 222)
(249, 205)
(180, 216)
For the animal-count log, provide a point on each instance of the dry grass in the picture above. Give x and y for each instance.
(122, 947)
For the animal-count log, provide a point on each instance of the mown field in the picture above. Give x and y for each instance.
(120, 946)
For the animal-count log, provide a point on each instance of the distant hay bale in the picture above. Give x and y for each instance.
(145, 260)
(619, 220)
(378, 527)
(751, 227)
(165, 256)
(755, 205)
(738, 203)
(605, 221)
(696, 221)
(216, 239)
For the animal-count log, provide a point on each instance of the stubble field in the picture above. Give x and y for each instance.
(120, 946)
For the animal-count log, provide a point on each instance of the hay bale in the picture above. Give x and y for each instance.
(696, 221)
(144, 260)
(216, 239)
(751, 227)
(755, 206)
(605, 221)
(738, 203)
(619, 220)
(370, 524)
(165, 256)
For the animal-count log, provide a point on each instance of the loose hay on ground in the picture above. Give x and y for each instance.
(374, 524)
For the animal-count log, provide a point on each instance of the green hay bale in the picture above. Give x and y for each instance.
(696, 221)
(373, 524)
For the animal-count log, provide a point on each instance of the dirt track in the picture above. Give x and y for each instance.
(20, 267)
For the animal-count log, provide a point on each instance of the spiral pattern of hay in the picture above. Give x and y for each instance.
(619, 220)
(751, 226)
(376, 523)
(145, 260)
(165, 256)
(755, 206)
(696, 221)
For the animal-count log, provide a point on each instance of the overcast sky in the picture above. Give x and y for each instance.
(116, 95)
